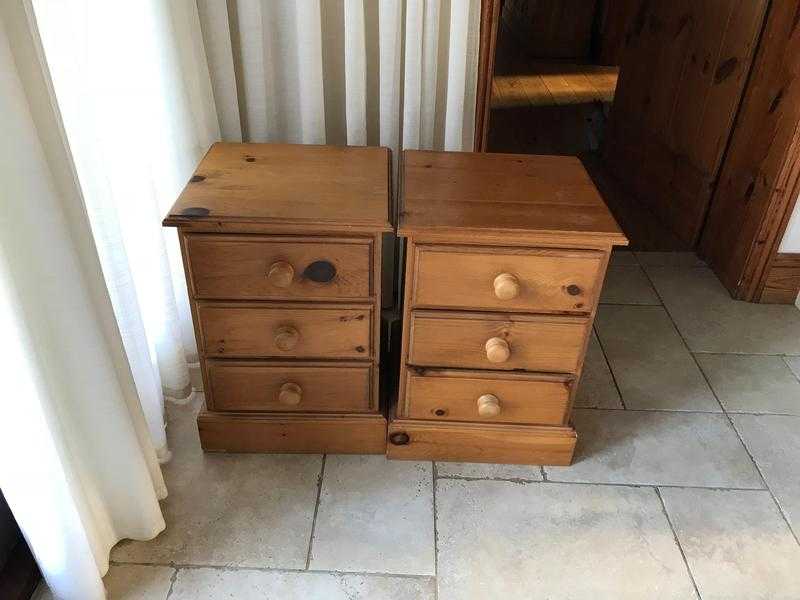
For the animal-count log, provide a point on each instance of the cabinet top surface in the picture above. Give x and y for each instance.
(465, 194)
(287, 184)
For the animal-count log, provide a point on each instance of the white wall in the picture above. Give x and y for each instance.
(791, 238)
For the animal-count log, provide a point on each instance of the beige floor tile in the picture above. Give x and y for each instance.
(213, 584)
(596, 388)
(539, 540)
(375, 515)
(128, 582)
(759, 384)
(793, 362)
(489, 471)
(136, 582)
(669, 259)
(623, 258)
(711, 321)
(628, 285)
(774, 442)
(737, 544)
(651, 364)
(657, 448)
(247, 510)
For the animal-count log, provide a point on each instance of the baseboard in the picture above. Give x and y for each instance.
(782, 281)
(295, 433)
(412, 439)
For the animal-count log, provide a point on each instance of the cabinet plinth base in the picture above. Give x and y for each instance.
(411, 439)
(296, 433)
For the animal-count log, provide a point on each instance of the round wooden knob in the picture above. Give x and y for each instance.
(497, 350)
(488, 405)
(286, 338)
(290, 394)
(506, 286)
(281, 274)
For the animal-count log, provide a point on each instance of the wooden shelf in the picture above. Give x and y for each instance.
(555, 84)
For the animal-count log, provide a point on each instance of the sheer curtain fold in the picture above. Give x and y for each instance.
(390, 72)
(107, 108)
(133, 91)
(80, 470)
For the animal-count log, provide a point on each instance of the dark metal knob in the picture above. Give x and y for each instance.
(321, 271)
(399, 438)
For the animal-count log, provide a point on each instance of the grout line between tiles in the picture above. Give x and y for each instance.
(172, 580)
(760, 474)
(729, 418)
(434, 478)
(688, 412)
(544, 473)
(784, 358)
(316, 510)
(677, 541)
(523, 481)
(608, 364)
(192, 566)
(685, 344)
(759, 354)
(601, 303)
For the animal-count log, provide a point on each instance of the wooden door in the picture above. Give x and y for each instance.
(684, 65)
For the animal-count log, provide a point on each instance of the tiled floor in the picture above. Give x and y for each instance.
(686, 483)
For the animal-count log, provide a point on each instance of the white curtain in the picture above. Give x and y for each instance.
(106, 106)
(132, 87)
(77, 464)
(397, 73)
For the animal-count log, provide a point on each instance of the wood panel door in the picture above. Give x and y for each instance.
(684, 66)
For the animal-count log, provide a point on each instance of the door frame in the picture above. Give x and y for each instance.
(490, 20)
(759, 180)
(747, 219)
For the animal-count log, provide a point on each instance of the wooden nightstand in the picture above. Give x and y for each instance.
(505, 260)
(281, 247)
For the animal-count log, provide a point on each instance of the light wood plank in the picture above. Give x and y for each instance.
(451, 339)
(463, 277)
(238, 267)
(256, 386)
(255, 330)
(314, 434)
(479, 194)
(453, 396)
(328, 187)
(464, 442)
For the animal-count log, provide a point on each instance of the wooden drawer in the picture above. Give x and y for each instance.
(291, 330)
(534, 343)
(487, 397)
(507, 279)
(412, 439)
(262, 267)
(289, 387)
(298, 432)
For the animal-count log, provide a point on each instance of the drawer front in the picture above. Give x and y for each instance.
(529, 343)
(508, 279)
(268, 331)
(487, 397)
(260, 267)
(289, 387)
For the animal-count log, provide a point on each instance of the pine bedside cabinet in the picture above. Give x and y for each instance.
(281, 248)
(505, 260)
